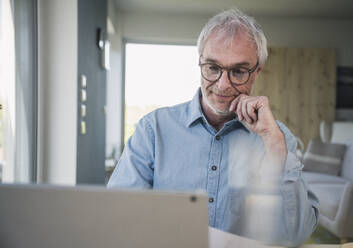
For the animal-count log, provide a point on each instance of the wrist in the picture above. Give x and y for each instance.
(275, 143)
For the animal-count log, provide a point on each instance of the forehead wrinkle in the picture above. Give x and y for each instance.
(227, 42)
(244, 35)
(237, 64)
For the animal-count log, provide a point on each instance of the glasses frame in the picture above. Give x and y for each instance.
(228, 72)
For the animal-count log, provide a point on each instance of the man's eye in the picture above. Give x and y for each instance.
(239, 71)
(213, 68)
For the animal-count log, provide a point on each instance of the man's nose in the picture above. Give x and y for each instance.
(223, 82)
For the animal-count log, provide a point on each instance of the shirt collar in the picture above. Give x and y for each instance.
(196, 114)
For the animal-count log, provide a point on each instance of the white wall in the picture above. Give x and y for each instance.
(57, 91)
(280, 31)
(164, 28)
(312, 32)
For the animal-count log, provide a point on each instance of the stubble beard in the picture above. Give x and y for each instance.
(225, 113)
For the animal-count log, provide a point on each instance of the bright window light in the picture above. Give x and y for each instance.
(157, 76)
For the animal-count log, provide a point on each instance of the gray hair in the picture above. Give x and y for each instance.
(230, 22)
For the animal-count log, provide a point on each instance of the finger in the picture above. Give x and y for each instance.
(238, 110)
(251, 109)
(244, 110)
(239, 107)
(234, 104)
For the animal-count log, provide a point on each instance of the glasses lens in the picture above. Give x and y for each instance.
(211, 71)
(239, 75)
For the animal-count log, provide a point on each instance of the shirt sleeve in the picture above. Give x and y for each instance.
(300, 205)
(135, 166)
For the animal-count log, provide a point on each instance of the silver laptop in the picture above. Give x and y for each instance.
(33, 216)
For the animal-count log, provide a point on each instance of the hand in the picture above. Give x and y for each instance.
(255, 113)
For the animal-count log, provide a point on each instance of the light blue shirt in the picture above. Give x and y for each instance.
(175, 148)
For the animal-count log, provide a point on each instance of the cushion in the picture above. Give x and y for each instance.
(347, 164)
(323, 157)
(329, 196)
(342, 131)
(314, 177)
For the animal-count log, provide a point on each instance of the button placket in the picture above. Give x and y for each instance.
(213, 177)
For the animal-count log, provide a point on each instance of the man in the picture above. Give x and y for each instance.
(225, 142)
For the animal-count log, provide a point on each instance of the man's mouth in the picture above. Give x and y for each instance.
(224, 96)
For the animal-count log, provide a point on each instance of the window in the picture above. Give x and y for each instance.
(18, 84)
(7, 86)
(157, 76)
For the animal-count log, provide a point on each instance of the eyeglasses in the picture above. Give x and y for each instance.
(236, 75)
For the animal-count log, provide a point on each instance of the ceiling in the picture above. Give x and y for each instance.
(334, 9)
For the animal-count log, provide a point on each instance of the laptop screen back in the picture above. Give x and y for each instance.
(83, 217)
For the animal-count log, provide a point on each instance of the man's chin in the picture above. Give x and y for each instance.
(221, 112)
(220, 109)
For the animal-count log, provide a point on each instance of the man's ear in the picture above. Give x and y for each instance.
(259, 69)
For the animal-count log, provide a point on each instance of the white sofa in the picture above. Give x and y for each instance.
(335, 193)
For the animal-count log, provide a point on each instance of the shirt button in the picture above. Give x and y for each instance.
(210, 199)
(214, 167)
(218, 137)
